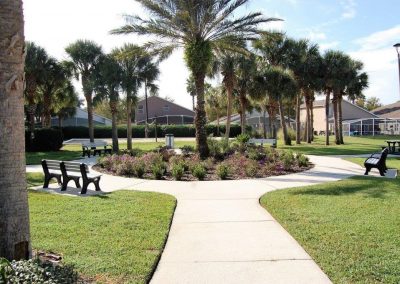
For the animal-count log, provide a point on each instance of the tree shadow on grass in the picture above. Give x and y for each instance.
(371, 187)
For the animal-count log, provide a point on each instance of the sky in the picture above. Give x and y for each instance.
(365, 29)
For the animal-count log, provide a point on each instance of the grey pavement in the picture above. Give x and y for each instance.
(221, 234)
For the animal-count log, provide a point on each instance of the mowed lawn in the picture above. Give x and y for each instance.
(352, 146)
(113, 238)
(351, 228)
(74, 152)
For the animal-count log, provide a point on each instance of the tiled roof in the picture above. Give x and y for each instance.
(387, 109)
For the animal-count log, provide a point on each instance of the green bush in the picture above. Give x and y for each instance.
(199, 172)
(251, 169)
(288, 160)
(291, 134)
(35, 271)
(100, 132)
(223, 171)
(177, 171)
(302, 160)
(45, 139)
(158, 170)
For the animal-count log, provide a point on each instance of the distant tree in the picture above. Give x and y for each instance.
(85, 56)
(66, 102)
(372, 103)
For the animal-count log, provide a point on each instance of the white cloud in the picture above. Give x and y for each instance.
(349, 9)
(380, 61)
(328, 45)
(316, 35)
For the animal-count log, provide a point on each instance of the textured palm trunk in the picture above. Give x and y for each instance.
(264, 126)
(340, 119)
(201, 118)
(31, 87)
(114, 129)
(335, 118)
(46, 121)
(229, 91)
(327, 99)
(283, 124)
(242, 99)
(312, 118)
(308, 119)
(87, 91)
(14, 211)
(298, 123)
(146, 128)
(129, 122)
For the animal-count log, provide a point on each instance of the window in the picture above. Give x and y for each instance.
(166, 108)
(140, 109)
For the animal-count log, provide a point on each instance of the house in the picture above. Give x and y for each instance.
(163, 111)
(351, 115)
(388, 111)
(81, 119)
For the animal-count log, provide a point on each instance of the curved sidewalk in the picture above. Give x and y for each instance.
(221, 234)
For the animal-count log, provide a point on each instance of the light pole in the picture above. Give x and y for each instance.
(397, 46)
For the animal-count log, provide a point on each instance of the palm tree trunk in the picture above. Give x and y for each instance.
(146, 128)
(14, 211)
(340, 119)
(129, 122)
(114, 131)
(327, 102)
(243, 112)
(87, 92)
(308, 128)
(229, 91)
(46, 122)
(312, 118)
(264, 118)
(201, 118)
(283, 125)
(218, 123)
(335, 117)
(298, 123)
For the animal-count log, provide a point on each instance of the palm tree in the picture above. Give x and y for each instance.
(55, 78)
(14, 211)
(134, 61)
(65, 103)
(107, 87)
(35, 61)
(200, 27)
(85, 56)
(191, 89)
(215, 104)
(280, 84)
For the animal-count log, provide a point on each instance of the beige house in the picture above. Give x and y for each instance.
(350, 112)
(164, 111)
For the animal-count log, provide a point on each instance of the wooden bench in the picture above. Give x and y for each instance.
(254, 141)
(97, 148)
(377, 161)
(74, 171)
(51, 169)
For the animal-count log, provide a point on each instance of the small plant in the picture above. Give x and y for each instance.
(214, 147)
(177, 171)
(251, 169)
(302, 160)
(187, 149)
(256, 154)
(288, 160)
(199, 172)
(139, 168)
(223, 171)
(158, 170)
(242, 139)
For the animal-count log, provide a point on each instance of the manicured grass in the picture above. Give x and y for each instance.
(350, 228)
(74, 152)
(34, 179)
(113, 238)
(352, 146)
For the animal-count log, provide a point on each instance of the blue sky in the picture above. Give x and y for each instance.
(366, 29)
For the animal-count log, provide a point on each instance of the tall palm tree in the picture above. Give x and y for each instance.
(191, 89)
(281, 85)
(129, 57)
(65, 103)
(200, 27)
(85, 56)
(215, 104)
(35, 61)
(107, 87)
(14, 211)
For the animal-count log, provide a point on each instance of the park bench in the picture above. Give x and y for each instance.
(254, 141)
(98, 148)
(74, 171)
(51, 170)
(377, 161)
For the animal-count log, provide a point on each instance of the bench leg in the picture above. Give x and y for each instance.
(59, 180)
(381, 172)
(46, 182)
(97, 184)
(77, 184)
(367, 170)
(84, 188)
(65, 184)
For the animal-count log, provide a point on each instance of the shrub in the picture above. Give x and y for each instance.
(139, 168)
(125, 166)
(179, 160)
(288, 160)
(199, 172)
(151, 159)
(251, 168)
(187, 149)
(214, 147)
(302, 160)
(35, 271)
(177, 171)
(223, 171)
(158, 170)
(46, 139)
(243, 138)
(291, 134)
(256, 154)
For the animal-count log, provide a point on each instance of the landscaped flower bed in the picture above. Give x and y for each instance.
(227, 161)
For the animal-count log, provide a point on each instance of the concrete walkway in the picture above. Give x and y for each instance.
(221, 234)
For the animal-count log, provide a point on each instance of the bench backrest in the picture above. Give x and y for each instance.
(95, 144)
(74, 167)
(50, 165)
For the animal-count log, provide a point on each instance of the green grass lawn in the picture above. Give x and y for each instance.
(352, 146)
(350, 228)
(113, 238)
(73, 152)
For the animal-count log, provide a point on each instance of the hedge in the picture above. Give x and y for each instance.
(71, 132)
(45, 139)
